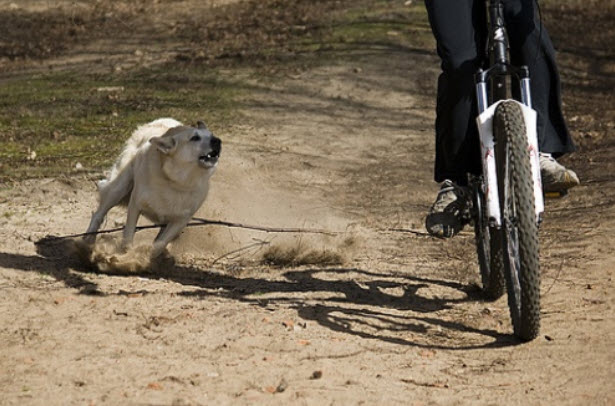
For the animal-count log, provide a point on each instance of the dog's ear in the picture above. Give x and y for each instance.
(201, 125)
(165, 144)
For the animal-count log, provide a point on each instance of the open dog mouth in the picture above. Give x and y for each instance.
(209, 160)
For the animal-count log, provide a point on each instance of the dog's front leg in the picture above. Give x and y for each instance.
(131, 224)
(111, 193)
(95, 222)
(168, 234)
(160, 232)
(109, 197)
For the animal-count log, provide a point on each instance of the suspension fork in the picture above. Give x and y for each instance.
(490, 87)
(487, 141)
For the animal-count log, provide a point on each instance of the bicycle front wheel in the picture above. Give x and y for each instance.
(488, 247)
(519, 231)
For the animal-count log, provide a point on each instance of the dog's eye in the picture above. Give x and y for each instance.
(195, 137)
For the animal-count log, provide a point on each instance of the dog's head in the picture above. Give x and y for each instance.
(189, 145)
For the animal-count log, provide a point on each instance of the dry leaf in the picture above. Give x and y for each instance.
(154, 386)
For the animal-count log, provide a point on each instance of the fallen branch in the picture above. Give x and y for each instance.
(196, 221)
(200, 221)
(409, 231)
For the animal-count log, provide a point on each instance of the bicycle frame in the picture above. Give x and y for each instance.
(500, 67)
(494, 78)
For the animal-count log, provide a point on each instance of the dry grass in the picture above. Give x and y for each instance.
(297, 255)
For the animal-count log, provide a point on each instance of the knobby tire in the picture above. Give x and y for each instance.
(519, 231)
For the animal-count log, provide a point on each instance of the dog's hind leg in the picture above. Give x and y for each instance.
(131, 223)
(166, 235)
(111, 194)
(159, 235)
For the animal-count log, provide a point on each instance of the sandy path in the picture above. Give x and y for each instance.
(346, 147)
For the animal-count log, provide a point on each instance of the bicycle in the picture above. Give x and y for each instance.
(507, 197)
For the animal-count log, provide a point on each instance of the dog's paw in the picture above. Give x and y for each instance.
(114, 260)
(89, 239)
(128, 262)
(163, 262)
(124, 247)
(157, 250)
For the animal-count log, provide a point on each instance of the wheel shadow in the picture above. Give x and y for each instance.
(363, 308)
(351, 301)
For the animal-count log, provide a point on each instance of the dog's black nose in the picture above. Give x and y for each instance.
(216, 145)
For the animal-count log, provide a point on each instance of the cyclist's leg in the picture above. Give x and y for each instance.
(531, 45)
(460, 30)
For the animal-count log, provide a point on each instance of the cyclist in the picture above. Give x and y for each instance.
(460, 29)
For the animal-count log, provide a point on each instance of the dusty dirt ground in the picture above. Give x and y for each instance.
(344, 146)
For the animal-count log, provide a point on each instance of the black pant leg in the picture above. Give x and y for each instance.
(459, 27)
(531, 46)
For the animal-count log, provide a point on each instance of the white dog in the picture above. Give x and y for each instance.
(163, 173)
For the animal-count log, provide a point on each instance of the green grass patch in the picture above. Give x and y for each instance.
(51, 122)
(383, 24)
(354, 29)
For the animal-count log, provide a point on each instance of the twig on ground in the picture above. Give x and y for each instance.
(200, 221)
(559, 271)
(196, 221)
(259, 243)
(409, 231)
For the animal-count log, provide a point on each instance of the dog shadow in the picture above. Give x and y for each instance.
(365, 309)
(52, 260)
